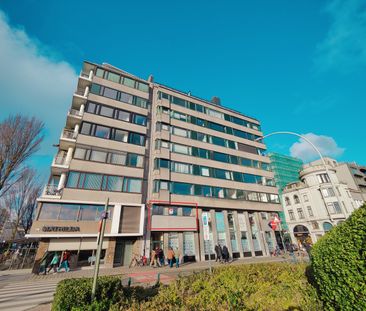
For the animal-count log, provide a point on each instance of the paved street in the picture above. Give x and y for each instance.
(20, 290)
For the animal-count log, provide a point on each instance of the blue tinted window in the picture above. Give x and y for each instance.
(181, 188)
(139, 119)
(222, 157)
(218, 141)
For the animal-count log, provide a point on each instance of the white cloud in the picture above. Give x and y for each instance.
(344, 47)
(326, 145)
(33, 82)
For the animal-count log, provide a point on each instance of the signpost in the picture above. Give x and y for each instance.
(206, 235)
(100, 239)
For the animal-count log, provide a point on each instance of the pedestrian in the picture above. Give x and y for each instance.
(218, 252)
(161, 257)
(153, 258)
(177, 258)
(54, 263)
(308, 247)
(171, 257)
(225, 253)
(65, 261)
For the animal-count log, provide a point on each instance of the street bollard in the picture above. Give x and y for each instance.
(129, 282)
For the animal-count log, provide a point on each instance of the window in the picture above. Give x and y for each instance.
(102, 131)
(132, 185)
(330, 208)
(222, 174)
(79, 153)
(287, 201)
(121, 136)
(328, 192)
(323, 178)
(203, 153)
(310, 211)
(113, 77)
(187, 211)
(95, 88)
(337, 208)
(114, 183)
(181, 188)
(214, 113)
(315, 225)
(137, 139)
(300, 212)
(164, 185)
(143, 87)
(238, 176)
(91, 107)
(118, 158)
(99, 73)
(218, 141)
(291, 214)
(181, 168)
(180, 149)
(139, 119)
(86, 128)
(222, 157)
(306, 199)
(140, 102)
(128, 82)
(296, 199)
(180, 132)
(124, 116)
(72, 180)
(216, 127)
(88, 212)
(135, 160)
(179, 101)
(98, 156)
(200, 136)
(264, 216)
(126, 98)
(110, 93)
(92, 181)
(218, 192)
(205, 171)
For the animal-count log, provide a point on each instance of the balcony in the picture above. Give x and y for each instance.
(51, 190)
(67, 139)
(74, 117)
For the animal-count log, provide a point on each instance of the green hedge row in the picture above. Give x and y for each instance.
(276, 286)
(338, 261)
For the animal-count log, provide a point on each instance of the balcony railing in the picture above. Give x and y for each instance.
(51, 189)
(68, 134)
(60, 160)
(74, 112)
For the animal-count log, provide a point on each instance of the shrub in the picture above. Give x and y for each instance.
(75, 294)
(276, 286)
(339, 264)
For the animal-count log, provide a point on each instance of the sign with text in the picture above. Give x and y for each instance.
(60, 229)
(206, 228)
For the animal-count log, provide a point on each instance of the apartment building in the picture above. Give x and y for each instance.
(164, 159)
(355, 176)
(312, 206)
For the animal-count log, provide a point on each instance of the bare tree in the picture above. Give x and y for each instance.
(21, 200)
(20, 137)
(4, 216)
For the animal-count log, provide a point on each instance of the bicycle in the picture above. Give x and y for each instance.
(137, 260)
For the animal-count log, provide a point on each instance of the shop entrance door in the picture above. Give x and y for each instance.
(123, 252)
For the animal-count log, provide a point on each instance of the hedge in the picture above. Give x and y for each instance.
(75, 294)
(275, 286)
(338, 261)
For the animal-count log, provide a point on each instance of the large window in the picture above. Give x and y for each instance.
(128, 159)
(323, 178)
(181, 188)
(93, 181)
(72, 212)
(111, 133)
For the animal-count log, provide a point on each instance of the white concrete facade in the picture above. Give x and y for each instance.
(312, 203)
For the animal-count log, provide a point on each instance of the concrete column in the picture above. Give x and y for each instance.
(91, 74)
(110, 251)
(42, 249)
(82, 109)
(69, 155)
(180, 246)
(165, 243)
(227, 233)
(238, 234)
(262, 240)
(61, 183)
(86, 92)
(76, 130)
(250, 240)
(200, 235)
(213, 227)
(197, 246)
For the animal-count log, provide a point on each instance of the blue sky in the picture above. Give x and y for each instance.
(295, 65)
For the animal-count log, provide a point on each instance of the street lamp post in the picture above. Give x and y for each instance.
(317, 151)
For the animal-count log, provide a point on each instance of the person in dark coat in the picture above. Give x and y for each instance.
(218, 252)
(225, 253)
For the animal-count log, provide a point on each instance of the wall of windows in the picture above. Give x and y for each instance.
(118, 95)
(212, 172)
(102, 182)
(209, 111)
(72, 212)
(208, 124)
(115, 77)
(205, 138)
(106, 132)
(116, 158)
(214, 192)
(211, 155)
(118, 114)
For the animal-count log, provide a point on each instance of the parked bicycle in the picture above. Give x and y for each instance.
(137, 261)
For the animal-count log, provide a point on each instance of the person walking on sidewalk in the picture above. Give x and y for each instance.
(177, 257)
(54, 263)
(225, 253)
(170, 257)
(218, 252)
(65, 261)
